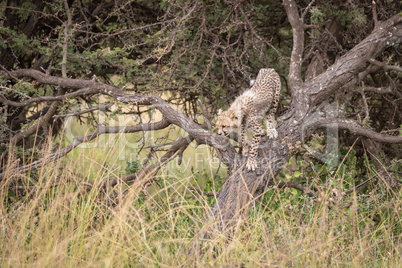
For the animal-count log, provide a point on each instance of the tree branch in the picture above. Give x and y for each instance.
(378, 90)
(374, 10)
(200, 135)
(81, 92)
(102, 107)
(298, 43)
(207, 116)
(201, 192)
(148, 172)
(297, 186)
(46, 79)
(253, 32)
(81, 139)
(66, 40)
(355, 129)
(385, 66)
(360, 185)
(354, 61)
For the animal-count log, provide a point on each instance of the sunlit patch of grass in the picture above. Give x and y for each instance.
(123, 148)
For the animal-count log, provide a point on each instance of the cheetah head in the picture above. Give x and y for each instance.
(227, 122)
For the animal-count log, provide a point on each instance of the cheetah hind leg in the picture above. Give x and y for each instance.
(244, 142)
(271, 131)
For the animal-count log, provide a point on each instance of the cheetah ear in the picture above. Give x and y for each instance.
(220, 111)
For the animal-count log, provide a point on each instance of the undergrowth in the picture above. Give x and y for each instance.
(49, 219)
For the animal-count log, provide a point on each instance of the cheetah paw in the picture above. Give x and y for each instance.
(272, 133)
(251, 164)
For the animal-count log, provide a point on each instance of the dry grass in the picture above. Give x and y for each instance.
(64, 226)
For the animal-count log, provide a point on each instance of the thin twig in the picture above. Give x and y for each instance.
(297, 186)
(375, 17)
(384, 66)
(360, 185)
(84, 111)
(366, 108)
(201, 192)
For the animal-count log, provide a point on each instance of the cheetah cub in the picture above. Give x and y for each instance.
(248, 110)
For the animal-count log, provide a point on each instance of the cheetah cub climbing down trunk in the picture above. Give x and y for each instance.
(248, 110)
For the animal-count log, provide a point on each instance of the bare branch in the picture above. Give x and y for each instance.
(201, 192)
(391, 130)
(42, 122)
(355, 129)
(250, 26)
(32, 117)
(360, 185)
(144, 176)
(81, 139)
(366, 108)
(66, 40)
(200, 135)
(385, 66)
(378, 90)
(46, 79)
(298, 43)
(81, 92)
(196, 131)
(350, 64)
(297, 186)
(85, 111)
(205, 113)
(375, 17)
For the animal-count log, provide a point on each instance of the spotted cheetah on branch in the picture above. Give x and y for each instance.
(249, 109)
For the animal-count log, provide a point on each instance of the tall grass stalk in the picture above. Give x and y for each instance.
(51, 221)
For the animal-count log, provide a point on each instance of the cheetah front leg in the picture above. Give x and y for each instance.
(257, 133)
(271, 131)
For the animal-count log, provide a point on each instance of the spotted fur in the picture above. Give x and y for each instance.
(247, 112)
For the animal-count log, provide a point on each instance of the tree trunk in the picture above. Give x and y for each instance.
(308, 108)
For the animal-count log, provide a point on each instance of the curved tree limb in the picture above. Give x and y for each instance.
(46, 79)
(200, 135)
(354, 61)
(355, 128)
